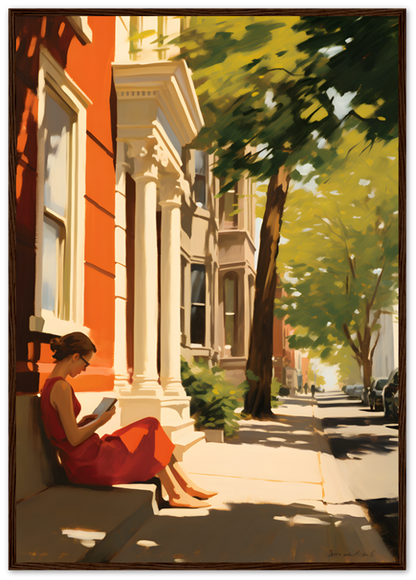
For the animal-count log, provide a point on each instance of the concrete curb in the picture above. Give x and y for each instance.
(336, 489)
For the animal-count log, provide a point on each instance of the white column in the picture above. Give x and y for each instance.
(170, 333)
(120, 340)
(145, 377)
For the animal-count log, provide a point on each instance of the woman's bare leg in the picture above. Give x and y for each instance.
(177, 496)
(186, 483)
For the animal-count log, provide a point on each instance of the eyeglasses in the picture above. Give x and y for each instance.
(87, 364)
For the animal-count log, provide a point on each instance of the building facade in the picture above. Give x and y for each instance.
(65, 201)
(290, 367)
(119, 232)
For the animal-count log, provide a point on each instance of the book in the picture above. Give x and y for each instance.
(104, 406)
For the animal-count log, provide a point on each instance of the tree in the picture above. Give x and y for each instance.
(349, 369)
(346, 276)
(267, 88)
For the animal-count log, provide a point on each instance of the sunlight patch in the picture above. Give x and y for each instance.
(184, 512)
(146, 543)
(87, 538)
(301, 520)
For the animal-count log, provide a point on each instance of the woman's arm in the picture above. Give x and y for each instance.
(61, 400)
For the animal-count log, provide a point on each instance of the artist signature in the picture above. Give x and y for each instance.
(351, 554)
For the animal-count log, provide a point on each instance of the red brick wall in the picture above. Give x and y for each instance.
(89, 66)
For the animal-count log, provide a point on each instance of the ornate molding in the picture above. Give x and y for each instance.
(160, 155)
(170, 191)
(148, 154)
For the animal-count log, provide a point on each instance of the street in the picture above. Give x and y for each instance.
(365, 446)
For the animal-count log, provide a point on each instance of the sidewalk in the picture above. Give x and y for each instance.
(281, 499)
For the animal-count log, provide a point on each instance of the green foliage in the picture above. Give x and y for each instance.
(349, 371)
(340, 261)
(213, 398)
(275, 82)
(276, 389)
(364, 62)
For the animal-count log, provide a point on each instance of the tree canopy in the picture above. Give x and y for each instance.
(341, 253)
(278, 93)
(275, 82)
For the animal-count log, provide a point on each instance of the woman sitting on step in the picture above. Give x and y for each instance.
(131, 454)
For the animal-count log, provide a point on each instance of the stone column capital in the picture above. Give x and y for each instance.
(172, 187)
(149, 155)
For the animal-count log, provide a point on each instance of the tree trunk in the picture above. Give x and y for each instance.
(367, 370)
(363, 354)
(257, 400)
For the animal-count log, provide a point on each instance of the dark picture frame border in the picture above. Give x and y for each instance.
(401, 14)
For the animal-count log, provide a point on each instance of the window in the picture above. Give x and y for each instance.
(57, 164)
(198, 300)
(200, 178)
(183, 269)
(230, 312)
(229, 205)
(61, 186)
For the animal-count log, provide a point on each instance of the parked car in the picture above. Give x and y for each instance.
(349, 390)
(354, 391)
(390, 396)
(375, 396)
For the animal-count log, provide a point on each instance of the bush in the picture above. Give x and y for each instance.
(277, 389)
(213, 398)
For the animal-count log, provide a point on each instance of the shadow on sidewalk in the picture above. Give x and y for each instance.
(248, 533)
(297, 432)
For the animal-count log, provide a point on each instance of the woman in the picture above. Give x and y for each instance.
(133, 453)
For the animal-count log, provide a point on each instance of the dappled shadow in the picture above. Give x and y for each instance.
(246, 533)
(346, 447)
(361, 442)
(282, 430)
(364, 438)
(339, 400)
(384, 513)
(339, 422)
(297, 401)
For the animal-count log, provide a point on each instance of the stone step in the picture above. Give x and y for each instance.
(181, 430)
(187, 441)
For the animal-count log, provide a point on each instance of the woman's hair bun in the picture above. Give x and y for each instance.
(75, 342)
(60, 349)
(56, 343)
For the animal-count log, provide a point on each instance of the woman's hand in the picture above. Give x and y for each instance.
(86, 419)
(76, 433)
(107, 415)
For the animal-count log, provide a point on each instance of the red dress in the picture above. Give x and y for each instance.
(133, 453)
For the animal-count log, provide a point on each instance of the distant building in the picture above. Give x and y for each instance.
(284, 357)
(386, 353)
(119, 233)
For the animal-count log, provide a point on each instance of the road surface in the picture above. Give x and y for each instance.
(366, 447)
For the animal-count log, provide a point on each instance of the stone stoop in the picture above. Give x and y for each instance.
(183, 436)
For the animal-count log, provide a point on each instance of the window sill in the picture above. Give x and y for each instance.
(81, 28)
(202, 212)
(52, 325)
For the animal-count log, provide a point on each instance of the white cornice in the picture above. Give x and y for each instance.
(170, 85)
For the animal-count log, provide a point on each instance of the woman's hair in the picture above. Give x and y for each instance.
(75, 342)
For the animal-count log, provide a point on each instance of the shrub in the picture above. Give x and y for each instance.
(213, 398)
(277, 389)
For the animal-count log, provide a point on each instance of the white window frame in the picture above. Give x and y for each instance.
(51, 74)
(204, 304)
(81, 28)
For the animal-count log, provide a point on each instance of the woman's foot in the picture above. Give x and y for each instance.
(198, 492)
(187, 501)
